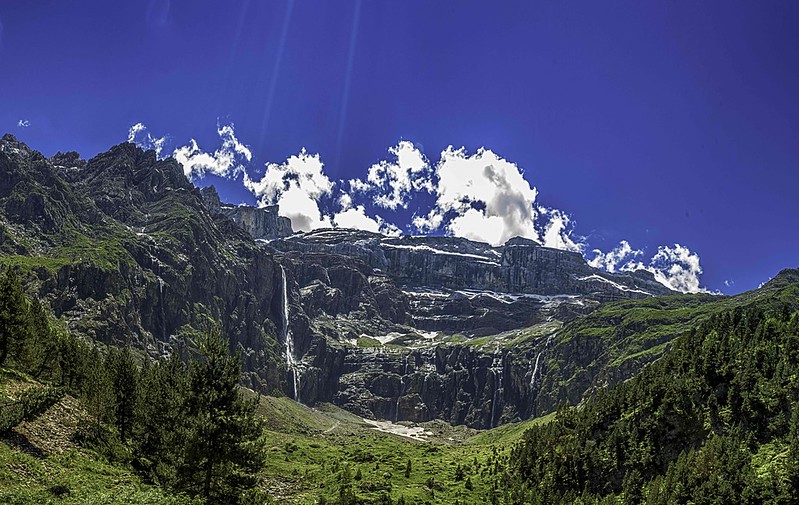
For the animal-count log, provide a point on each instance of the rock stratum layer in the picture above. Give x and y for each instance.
(127, 251)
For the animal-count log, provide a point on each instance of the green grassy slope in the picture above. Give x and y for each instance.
(41, 463)
(314, 453)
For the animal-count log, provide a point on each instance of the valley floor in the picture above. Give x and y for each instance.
(316, 455)
(320, 454)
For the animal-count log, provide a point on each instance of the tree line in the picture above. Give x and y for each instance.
(713, 421)
(184, 425)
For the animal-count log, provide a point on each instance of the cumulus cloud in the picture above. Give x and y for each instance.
(139, 135)
(557, 231)
(227, 161)
(676, 267)
(23, 123)
(621, 256)
(391, 182)
(481, 197)
(295, 186)
(354, 216)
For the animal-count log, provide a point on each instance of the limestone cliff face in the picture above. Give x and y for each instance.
(127, 251)
(520, 266)
(261, 223)
(421, 328)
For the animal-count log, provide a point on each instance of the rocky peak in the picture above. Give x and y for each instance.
(211, 199)
(262, 223)
(13, 148)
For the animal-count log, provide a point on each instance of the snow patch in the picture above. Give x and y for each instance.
(413, 432)
(616, 285)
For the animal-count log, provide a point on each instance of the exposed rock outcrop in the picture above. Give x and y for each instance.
(128, 251)
(261, 223)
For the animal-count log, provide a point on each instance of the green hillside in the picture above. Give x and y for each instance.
(713, 421)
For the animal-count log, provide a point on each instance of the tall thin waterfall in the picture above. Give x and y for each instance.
(288, 340)
(535, 378)
(402, 389)
(498, 390)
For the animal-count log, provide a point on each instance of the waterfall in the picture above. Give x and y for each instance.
(161, 303)
(497, 384)
(402, 388)
(535, 378)
(288, 340)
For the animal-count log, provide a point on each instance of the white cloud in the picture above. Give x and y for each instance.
(557, 231)
(138, 134)
(429, 222)
(226, 161)
(391, 182)
(355, 217)
(615, 260)
(481, 197)
(676, 267)
(23, 123)
(295, 186)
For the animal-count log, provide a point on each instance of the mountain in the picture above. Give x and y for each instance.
(714, 421)
(676, 397)
(124, 249)
(127, 251)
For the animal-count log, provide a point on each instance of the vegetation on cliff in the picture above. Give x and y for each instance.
(714, 419)
(184, 426)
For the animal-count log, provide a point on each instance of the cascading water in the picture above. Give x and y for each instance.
(288, 340)
(535, 378)
(402, 388)
(497, 384)
(161, 304)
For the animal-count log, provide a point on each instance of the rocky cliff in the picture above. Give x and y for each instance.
(127, 251)
(420, 328)
(261, 223)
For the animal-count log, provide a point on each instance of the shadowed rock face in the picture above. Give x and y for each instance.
(127, 251)
(124, 249)
(425, 305)
(261, 223)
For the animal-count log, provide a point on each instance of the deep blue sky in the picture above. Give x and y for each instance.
(652, 122)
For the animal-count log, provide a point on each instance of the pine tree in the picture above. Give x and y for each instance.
(97, 391)
(124, 375)
(223, 452)
(162, 423)
(14, 316)
(41, 353)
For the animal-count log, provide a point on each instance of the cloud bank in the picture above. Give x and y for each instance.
(227, 161)
(676, 267)
(139, 135)
(480, 196)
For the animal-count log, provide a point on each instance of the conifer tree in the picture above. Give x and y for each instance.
(14, 316)
(223, 452)
(162, 421)
(124, 375)
(42, 348)
(97, 390)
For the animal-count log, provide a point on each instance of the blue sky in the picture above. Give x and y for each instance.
(654, 123)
